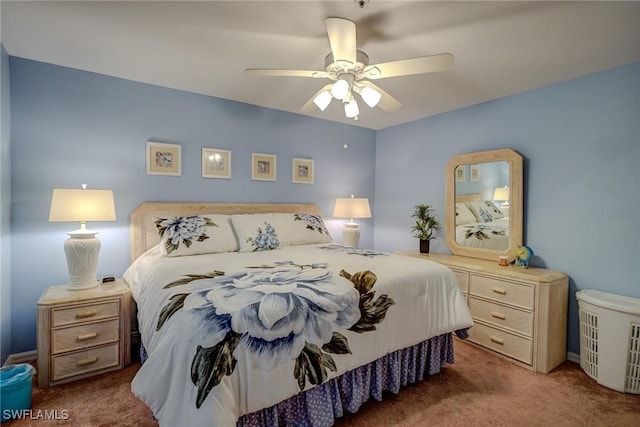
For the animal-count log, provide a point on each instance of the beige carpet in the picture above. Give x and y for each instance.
(478, 390)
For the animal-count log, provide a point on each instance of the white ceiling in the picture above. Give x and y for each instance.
(500, 48)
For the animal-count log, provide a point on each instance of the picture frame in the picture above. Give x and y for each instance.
(263, 167)
(216, 163)
(302, 171)
(460, 173)
(164, 159)
(474, 172)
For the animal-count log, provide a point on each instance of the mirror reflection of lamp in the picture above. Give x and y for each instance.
(502, 193)
(351, 208)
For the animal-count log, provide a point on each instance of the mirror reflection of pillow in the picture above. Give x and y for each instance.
(480, 211)
(464, 215)
(495, 211)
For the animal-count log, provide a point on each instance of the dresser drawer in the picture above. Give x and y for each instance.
(501, 290)
(81, 362)
(463, 279)
(86, 335)
(81, 313)
(506, 317)
(503, 342)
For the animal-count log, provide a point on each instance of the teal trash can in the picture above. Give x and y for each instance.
(15, 389)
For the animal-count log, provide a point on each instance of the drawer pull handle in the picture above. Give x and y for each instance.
(89, 361)
(499, 291)
(84, 314)
(87, 336)
(498, 315)
(497, 340)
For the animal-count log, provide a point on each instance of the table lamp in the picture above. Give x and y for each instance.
(502, 193)
(82, 247)
(351, 208)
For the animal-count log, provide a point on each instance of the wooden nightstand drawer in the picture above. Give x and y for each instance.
(505, 343)
(86, 335)
(81, 362)
(500, 290)
(500, 315)
(82, 313)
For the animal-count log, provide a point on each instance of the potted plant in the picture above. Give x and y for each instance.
(426, 225)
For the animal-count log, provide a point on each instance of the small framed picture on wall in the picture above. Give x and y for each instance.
(263, 167)
(302, 171)
(163, 159)
(474, 173)
(216, 163)
(460, 175)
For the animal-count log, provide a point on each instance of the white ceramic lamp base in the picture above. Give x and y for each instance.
(351, 234)
(82, 249)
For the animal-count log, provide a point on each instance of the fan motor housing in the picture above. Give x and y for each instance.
(335, 68)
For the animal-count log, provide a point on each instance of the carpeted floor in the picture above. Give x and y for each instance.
(478, 390)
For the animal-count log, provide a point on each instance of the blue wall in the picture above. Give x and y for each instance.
(581, 144)
(71, 127)
(5, 206)
(580, 140)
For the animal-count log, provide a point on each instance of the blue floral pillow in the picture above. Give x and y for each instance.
(256, 232)
(195, 234)
(485, 211)
(301, 229)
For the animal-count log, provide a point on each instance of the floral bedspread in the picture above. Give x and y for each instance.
(228, 334)
(487, 235)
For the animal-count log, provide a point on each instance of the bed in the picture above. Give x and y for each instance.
(251, 315)
(480, 223)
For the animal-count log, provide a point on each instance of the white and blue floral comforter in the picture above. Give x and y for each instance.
(232, 333)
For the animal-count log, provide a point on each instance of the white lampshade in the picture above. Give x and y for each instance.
(351, 208)
(340, 89)
(351, 109)
(502, 193)
(370, 96)
(82, 247)
(322, 100)
(70, 204)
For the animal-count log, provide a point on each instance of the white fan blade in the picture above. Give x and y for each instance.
(407, 67)
(286, 73)
(387, 103)
(342, 37)
(310, 106)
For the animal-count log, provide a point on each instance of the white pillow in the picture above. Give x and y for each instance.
(256, 232)
(300, 229)
(495, 211)
(464, 215)
(480, 211)
(195, 234)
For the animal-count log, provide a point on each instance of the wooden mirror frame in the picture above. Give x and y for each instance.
(515, 203)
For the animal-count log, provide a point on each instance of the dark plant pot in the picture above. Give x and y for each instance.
(424, 246)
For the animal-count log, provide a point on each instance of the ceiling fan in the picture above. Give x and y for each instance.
(351, 72)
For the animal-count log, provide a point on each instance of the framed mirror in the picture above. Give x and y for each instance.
(484, 204)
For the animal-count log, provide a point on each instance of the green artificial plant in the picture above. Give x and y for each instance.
(427, 225)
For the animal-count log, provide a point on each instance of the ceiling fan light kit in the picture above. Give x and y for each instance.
(351, 109)
(323, 99)
(340, 88)
(370, 96)
(349, 68)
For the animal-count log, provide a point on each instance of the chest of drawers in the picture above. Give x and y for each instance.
(518, 314)
(82, 333)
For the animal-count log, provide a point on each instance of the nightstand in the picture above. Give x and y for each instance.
(83, 333)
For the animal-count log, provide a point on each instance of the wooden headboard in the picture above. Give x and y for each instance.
(473, 197)
(144, 234)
